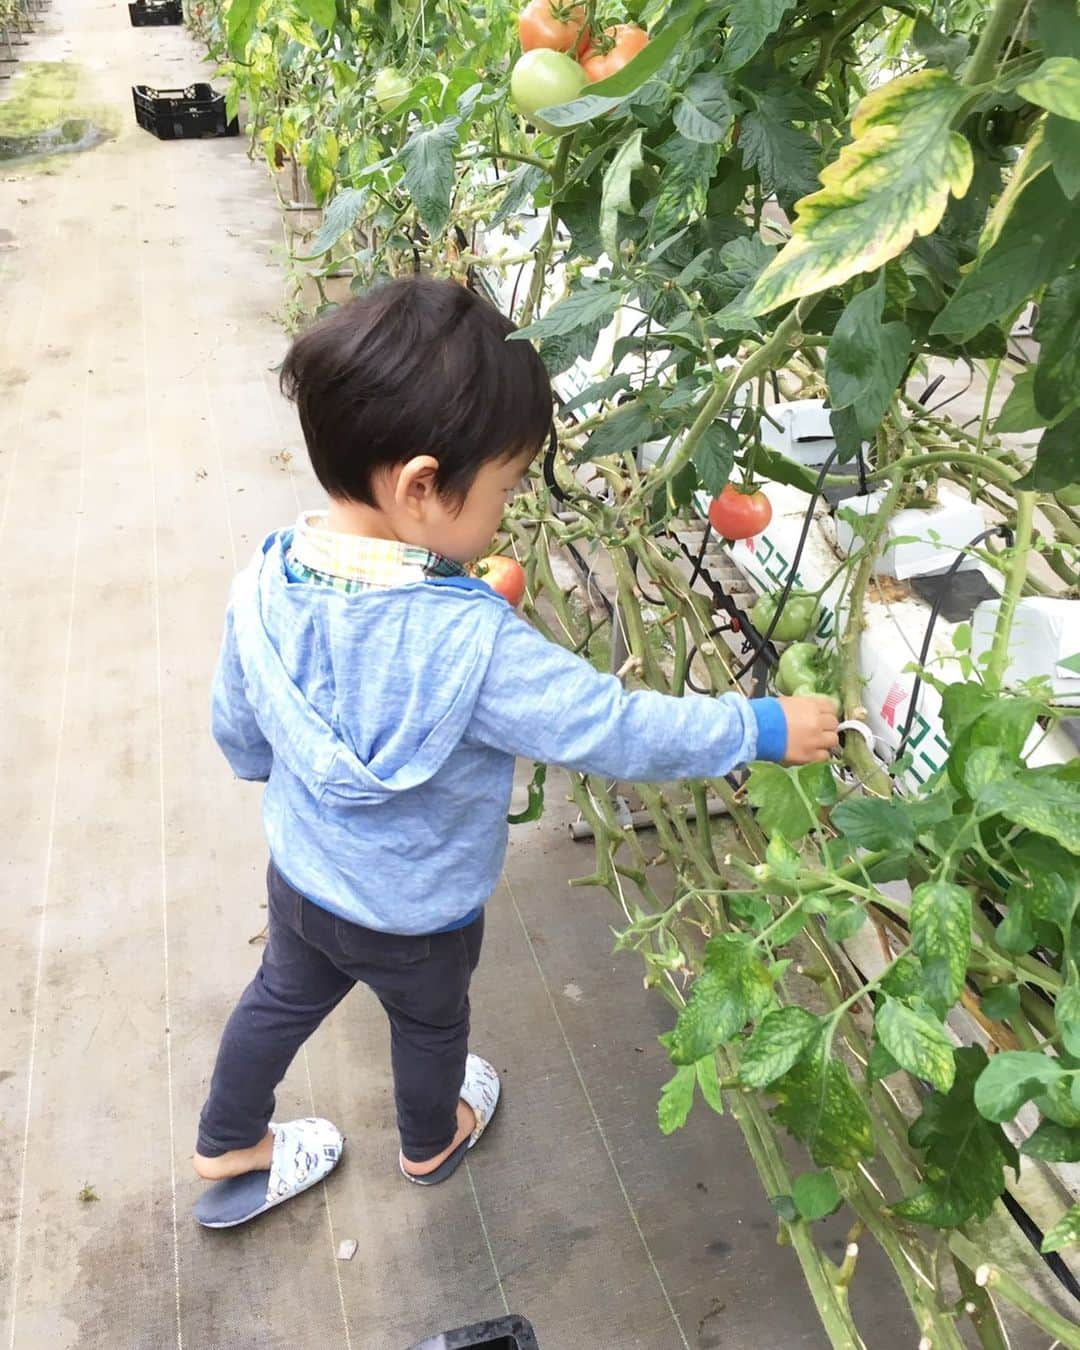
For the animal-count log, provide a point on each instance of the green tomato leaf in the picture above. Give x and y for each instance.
(520, 187)
(845, 921)
(1013, 1078)
(1025, 247)
(714, 456)
(1067, 1015)
(819, 1104)
(777, 1044)
(1018, 412)
(1055, 86)
(866, 358)
(1065, 1233)
(917, 1042)
(615, 193)
(240, 24)
(1055, 458)
(963, 1156)
(816, 1195)
(428, 156)
(785, 156)
(322, 12)
(1053, 1143)
(1001, 1001)
(733, 989)
(703, 110)
(684, 184)
(750, 22)
(1063, 147)
(341, 214)
(941, 937)
(785, 1207)
(939, 49)
(624, 430)
(772, 790)
(873, 823)
(676, 1099)
(534, 808)
(891, 183)
(709, 1083)
(594, 302)
(1040, 801)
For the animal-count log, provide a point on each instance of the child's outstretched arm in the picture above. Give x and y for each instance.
(542, 702)
(232, 720)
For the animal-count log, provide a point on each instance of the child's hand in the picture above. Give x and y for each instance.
(811, 729)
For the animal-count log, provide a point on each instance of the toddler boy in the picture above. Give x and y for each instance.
(382, 696)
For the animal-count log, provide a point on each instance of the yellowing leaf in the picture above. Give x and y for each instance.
(891, 183)
(1055, 86)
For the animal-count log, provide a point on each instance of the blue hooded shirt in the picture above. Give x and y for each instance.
(385, 724)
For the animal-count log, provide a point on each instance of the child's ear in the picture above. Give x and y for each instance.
(414, 490)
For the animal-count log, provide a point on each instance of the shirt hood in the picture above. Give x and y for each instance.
(361, 696)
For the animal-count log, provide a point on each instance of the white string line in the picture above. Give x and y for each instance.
(329, 1217)
(220, 461)
(53, 802)
(16, 440)
(487, 1239)
(596, 1119)
(163, 861)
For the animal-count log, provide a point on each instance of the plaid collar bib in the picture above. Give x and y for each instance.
(351, 562)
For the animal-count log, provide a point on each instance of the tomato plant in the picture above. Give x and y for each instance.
(546, 23)
(823, 203)
(739, 515)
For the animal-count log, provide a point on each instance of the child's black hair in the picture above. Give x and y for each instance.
(416, 366)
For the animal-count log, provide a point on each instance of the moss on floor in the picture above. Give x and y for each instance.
(44, 98)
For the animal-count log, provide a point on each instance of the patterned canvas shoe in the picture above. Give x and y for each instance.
(481, 1089)
(305, 1152)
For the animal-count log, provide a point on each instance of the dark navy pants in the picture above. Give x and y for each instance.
(311, 961)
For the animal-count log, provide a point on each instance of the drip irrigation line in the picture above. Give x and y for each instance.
(935, 610)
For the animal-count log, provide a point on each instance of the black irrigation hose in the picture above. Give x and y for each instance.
(1034, 1235)
(935, 610)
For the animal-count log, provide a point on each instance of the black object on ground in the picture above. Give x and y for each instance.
(182, 114)
(502, 1333)
(155, 13)
(959, 592)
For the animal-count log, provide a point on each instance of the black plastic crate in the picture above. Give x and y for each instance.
(155, 13)
(502, 1333)
(181, 114)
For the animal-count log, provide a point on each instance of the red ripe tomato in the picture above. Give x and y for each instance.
(739, 515)
(627, 38)
(505, 576)
(547, 23)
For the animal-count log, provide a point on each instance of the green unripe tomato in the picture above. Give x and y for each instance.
(798, 666)
(796, 619)
(391, 88)
(541, 79)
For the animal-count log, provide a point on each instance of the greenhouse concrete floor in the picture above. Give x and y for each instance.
(141, 434)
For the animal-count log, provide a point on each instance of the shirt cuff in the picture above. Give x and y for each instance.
(771, 728)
